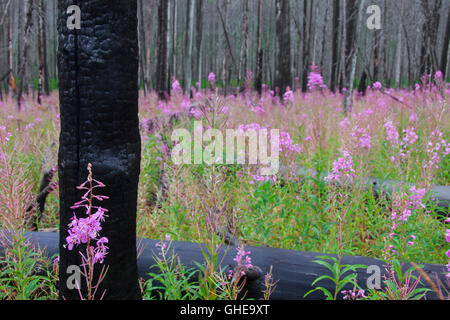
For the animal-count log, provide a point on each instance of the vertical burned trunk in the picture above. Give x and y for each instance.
(335, 45)
(43, 87)
(428, 57)
(259, 51)
(199, 38)
(283, 70)
(98, 90)
(188, 46)
(445, 47)
(24, 53)
(161, 65)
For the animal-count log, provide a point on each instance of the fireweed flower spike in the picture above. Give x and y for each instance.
(86, 230)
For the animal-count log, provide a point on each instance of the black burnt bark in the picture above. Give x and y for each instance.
(98, 87)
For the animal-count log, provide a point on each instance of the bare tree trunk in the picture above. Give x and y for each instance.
(283, 69)
(259, 51)
(398, 55)
(173, 60)
(148, 37)
(224, 18)
(445, 47)
(308, 39)
(244, 44)
(199, 38)
(22, 69)
(335, 45)
(428, 61)
(11, 86)
(354, 15)
(188, 46)
(142, 47)
(161, 75)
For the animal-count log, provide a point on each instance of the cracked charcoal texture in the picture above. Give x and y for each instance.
(98, 88)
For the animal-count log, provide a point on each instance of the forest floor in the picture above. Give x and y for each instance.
(390, 134)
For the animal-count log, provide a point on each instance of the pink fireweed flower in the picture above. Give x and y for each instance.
(362, 137)
(392, 133)
(437, 149)
(377, 85)
(212, 78)
(85, 230)
(354, 294)
(315, 78)
(286, 143)
(176, 86)
(438, 76)
(288, 96)
(344, 123)
(342, 168)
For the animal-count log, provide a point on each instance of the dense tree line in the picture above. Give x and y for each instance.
(271, 41)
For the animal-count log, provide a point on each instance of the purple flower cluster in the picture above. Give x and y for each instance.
(244, 262)
(447, 238)
(377, 85)
(85, 230)
(403, 207)
(176, 86)
(286, 143)
(315, 79)
(4, 138)
(354, 294)
(437, 148)
(392, 133)
(288, 96)
(362, 137)
(212, 79)
(342, 168)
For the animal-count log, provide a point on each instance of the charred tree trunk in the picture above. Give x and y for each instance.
(353, 14)
(244, 44)
(161, 75)
(283, 31)
(428, 58)
(42, 52)
(199, 38)
(142, 47)
(188, 46)
(446, 46)
(22, 68)
(98, 90)
(398, 54)
(259, 51)
(335, 45)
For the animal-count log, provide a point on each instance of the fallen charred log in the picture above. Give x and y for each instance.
(295, 271)
(382, 187)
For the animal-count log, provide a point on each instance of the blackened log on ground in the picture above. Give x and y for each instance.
(382, 187)
(294, 270)
(98, 90)
(45, 188)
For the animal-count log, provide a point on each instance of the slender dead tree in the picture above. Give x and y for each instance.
(428, 57)
(22, 67)
(161, 66)
(259, 51)
(398, 54)
(446, 46)
(283, 23)
(98, 92)
(188, 46)
(335, 45)
(244, 42)
(199, 38)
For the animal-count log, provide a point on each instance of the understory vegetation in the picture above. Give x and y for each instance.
(318, 201)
